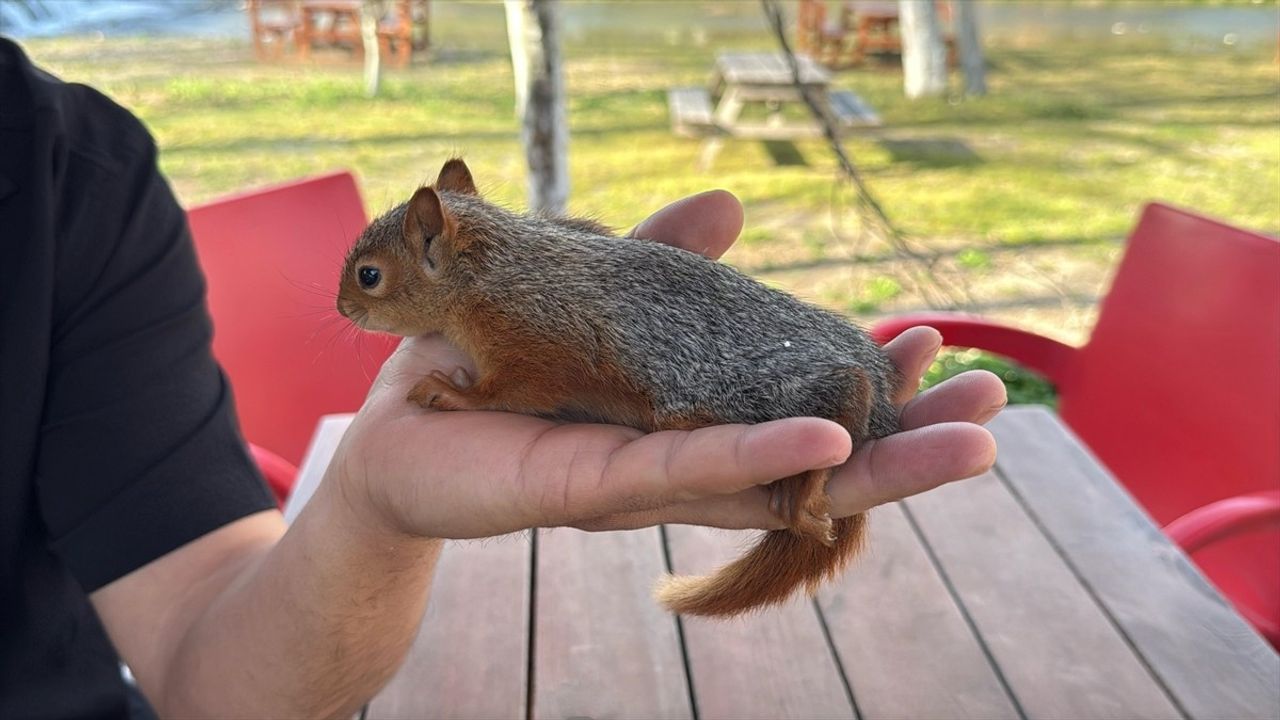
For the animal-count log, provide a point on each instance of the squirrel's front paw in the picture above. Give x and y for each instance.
(438, 391)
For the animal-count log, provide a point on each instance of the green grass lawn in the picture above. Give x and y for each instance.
(1025, 193)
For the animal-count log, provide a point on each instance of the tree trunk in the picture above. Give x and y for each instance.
(533, 28)
(970, 42)
(370, 12)
(924, 56)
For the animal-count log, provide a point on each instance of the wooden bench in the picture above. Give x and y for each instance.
(403, 28)
(273, 25)
(851, 110)
(691, 112)
(767, 80)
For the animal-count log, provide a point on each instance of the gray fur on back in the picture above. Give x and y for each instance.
(698, 335)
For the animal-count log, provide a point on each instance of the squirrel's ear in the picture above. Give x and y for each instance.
(456, 177)
(426, 219)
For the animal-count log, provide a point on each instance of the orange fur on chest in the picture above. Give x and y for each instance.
(522, 371)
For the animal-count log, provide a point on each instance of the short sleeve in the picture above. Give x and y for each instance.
(140, 452)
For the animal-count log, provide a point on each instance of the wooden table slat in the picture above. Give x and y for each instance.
(1059, 653)
(1080, 606)
(771, 665)
(1210, 660)
(893, 623)
(768, 69)
(324, 442)
(470, 659)
(603, 647)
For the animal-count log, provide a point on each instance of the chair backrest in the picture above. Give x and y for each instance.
(1178, 389)
(272, 259)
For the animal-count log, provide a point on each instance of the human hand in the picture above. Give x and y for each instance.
(478, 474)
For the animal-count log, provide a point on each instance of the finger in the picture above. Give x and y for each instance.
(706, 223)
(417, 356)
(667, 467)
(912, 352)
(911, 462)
(974, 396)
(882, 471)
(744, 510)
(433, 351)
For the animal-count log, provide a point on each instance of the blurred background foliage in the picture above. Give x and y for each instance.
(1023, 386)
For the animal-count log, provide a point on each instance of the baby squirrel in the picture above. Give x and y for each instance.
(569, 322)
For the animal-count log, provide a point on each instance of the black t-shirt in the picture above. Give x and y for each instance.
(118, 439)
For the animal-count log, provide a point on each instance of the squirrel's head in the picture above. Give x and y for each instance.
(395, 276)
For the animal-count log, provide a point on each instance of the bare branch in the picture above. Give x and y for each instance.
(924, 280)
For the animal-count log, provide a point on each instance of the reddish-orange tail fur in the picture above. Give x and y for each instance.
(779, 564)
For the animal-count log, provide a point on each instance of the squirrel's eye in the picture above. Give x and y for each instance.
(369, 277)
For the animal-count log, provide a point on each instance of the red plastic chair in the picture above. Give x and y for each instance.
(272, 258)
(278, 472)
(1177, 392)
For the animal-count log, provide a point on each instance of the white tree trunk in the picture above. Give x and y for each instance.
(970, 42)
(370, 12)
(924, 56)
(533, 29)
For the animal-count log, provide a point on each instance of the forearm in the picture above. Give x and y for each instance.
(312, 626)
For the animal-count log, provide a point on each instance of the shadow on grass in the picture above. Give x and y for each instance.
(942, 152)
(1145, 141)
(462, 56)
(784, 153)
(1134, 102)
(884, 257)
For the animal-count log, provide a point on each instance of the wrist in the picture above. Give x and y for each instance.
(360, 503)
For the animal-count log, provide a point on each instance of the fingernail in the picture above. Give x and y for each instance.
(926, 360)
(992, 412)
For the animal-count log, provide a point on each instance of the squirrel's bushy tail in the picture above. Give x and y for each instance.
(768, 574)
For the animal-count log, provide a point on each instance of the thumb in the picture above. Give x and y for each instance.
(706, 223)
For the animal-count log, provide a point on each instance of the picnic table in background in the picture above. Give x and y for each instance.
(1039, 590)
(860, 28)
(329, 23)
(314, 24)
(742, 79)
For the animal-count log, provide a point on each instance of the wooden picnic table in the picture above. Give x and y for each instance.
(1039, 590)
(741, 79)
(336, 23)
(328, 23)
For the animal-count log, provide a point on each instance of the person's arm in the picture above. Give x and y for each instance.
(254, 621)
(251, 620)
